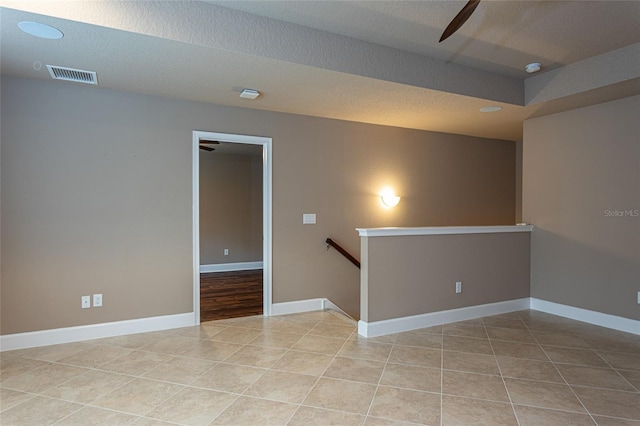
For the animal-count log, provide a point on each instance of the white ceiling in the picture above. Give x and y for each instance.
(368, 61)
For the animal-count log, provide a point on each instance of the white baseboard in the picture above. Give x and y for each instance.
(308, 305)
(228, 267)
(297, 306)
(94, 331)
(585, 315)
(328, 304)
(378, 328)
(397, 325)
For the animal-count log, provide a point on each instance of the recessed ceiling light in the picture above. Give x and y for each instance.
(491, 109)
(533, 67)
(249, 94)
(40, 30)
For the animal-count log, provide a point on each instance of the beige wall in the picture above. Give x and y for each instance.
(230, 208)
(577, 165)
(96, 198)
(518, 181)
(412, 275)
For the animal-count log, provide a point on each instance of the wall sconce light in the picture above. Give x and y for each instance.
(389, 197)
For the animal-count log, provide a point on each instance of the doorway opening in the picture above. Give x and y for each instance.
(216, 140)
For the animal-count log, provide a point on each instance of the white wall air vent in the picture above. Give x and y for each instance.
(71, 74)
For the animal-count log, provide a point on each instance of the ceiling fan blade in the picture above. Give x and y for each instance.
(207, 148)
(209, 143)
(460, 19)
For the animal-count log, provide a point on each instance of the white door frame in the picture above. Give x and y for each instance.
(266, 211)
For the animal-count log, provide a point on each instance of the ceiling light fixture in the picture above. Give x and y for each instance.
(249, 94)
(491, 109)
(533, 67)
(40, 30)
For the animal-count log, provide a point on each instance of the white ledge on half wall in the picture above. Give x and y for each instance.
(441, 230)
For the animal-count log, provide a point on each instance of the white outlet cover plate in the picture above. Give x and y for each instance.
(97, 300)
(86, 302)
(308, 218)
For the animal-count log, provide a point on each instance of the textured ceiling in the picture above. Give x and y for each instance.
(502, 36)
(373, 61)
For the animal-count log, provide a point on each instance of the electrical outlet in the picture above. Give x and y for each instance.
(458, 286)
(86, 302)
(226, 252)
(97, 300)
(639, 298)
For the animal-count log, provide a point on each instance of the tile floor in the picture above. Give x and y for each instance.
(522, 368)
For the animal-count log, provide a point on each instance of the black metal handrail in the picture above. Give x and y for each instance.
(343, 252)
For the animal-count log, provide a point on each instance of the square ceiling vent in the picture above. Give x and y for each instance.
(71, 74)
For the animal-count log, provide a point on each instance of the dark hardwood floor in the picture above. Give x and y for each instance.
(230, 294)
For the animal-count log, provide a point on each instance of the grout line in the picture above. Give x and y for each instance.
(442, 376)
(300, 405)
(569, 386)
(632, 392)
(636, 388)
(321, 374)
(384, 368)
(165, 400)
(504, 383)
(83, 406)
